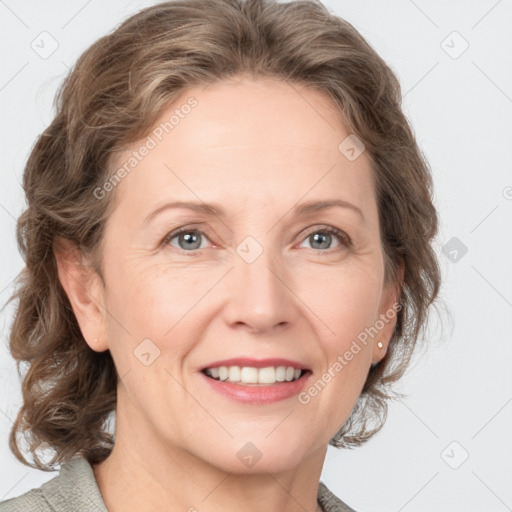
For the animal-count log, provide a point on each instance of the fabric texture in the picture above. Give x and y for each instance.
(75, 489)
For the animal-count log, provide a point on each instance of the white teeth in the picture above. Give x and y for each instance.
(267, 375)
(223, 373)
(280, 373)
(234, 374)
(251, 375)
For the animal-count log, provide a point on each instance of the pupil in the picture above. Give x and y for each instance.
(316, 236)
(190, 240)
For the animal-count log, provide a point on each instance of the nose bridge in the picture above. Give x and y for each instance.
(259, 295)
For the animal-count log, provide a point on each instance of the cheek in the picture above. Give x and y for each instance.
(155, 304)
(346, 305)
(345, 302)
(350, 309)
(145, 294)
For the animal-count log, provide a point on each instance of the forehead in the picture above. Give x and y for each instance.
(245, 139)
(234, 112)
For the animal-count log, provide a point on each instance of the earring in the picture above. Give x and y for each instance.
(95, 340)
(379, 344)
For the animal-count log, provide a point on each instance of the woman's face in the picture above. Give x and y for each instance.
(256, 280)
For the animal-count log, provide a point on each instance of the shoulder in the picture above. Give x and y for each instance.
(75, 488)
(31, 501)
(329, 501)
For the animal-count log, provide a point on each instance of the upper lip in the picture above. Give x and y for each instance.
(255, 363)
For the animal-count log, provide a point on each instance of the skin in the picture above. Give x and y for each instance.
(257, 147)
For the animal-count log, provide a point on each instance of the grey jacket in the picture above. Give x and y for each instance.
(75, 489)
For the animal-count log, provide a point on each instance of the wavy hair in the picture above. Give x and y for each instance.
(110, 99)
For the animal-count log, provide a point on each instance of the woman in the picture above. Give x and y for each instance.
(228, 245)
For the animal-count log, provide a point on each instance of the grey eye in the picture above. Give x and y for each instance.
(188, 240)
(322, 238)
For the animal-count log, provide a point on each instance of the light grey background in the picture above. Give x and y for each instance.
(461, 110)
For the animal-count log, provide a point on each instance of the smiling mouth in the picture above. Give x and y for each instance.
(251, 376)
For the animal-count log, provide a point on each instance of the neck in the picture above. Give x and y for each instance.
(141, 474)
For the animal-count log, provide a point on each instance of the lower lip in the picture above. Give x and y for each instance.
(258, 394)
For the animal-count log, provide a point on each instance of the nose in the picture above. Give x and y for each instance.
(261, 298)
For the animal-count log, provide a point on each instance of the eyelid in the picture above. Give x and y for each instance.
(343, 237)
(184, 229)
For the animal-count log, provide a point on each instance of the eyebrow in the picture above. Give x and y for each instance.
(217, 210)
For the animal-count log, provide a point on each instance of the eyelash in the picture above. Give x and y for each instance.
(343, 238)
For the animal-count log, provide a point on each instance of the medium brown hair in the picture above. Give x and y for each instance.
(111, 99)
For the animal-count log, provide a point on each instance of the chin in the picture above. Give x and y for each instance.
(252, 457)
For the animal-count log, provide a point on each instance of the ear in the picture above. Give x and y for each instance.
(388, 311)
(84, 289)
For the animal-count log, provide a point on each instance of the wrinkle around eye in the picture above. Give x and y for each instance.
(344, 240)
